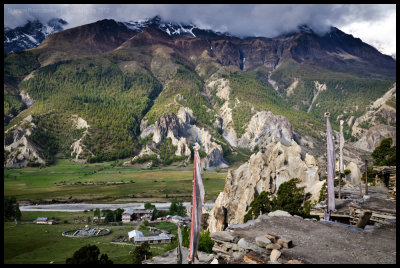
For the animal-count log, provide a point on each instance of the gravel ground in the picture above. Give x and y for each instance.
(319, 242)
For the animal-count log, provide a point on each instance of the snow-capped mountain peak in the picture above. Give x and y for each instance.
(171, 28)
(177, 29)
(31, 34)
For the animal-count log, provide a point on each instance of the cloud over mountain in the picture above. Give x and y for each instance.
(266, 20)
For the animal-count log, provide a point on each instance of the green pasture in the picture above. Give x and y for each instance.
(68, 180)
(29, 243)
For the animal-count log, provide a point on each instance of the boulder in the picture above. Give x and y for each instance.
(275, 254)
(250, 246)
(273, 246)
(285, 242)
(355, 175)
(222, 236)
(294, 262)
(214, 261)
(262, 241)
(252, 258)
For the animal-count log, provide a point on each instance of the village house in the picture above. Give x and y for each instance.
(178, 219)
(175, 219)
(99, 219)
(138, 238)
(131, 214)
(43, 220)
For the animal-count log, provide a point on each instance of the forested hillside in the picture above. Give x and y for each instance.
(113, 103)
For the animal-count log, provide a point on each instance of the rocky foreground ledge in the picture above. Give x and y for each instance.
(292, 239)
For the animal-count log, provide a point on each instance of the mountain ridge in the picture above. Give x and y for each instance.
(162, 70)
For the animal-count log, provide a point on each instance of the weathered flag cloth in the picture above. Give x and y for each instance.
(179, 255)
(341, 145)
(197, 203)
(330, 167)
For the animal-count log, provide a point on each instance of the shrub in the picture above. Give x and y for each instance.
(205, 242)
(88, 255)
(141, 253)
(33, 164)
(289, 198)
(11, 209)
(384, 154)
(177, 208)
(322, 193)
(261, 203)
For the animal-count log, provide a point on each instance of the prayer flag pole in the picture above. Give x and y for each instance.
(341, 144)
(197, 202)
(330, 167)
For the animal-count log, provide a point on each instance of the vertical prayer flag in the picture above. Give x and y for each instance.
(179, 255)
(197, 203)
(341, 145)
(330, 166)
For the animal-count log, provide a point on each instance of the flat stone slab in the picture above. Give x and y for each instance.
(279, 213)
(251, 246)
(262, 241)
(223, 236)
(241, 225)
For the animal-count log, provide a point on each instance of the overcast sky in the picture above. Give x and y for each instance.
(374, 24)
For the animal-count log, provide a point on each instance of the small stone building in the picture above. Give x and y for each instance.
(131, 214)
(99, 219)
(43, 220)
(138, 238)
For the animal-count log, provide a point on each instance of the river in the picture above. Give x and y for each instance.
(73, 207)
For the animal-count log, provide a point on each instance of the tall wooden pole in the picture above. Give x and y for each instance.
(341, 144)
(330, 168)
(366, 177)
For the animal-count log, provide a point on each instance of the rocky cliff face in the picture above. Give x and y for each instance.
(263, 128)
(382, 118)
(18, 147)
(79, 151)
(263, 172)
(182, 132)
(373, 137)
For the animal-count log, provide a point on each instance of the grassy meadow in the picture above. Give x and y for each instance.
(104, 182)
(32, 243)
